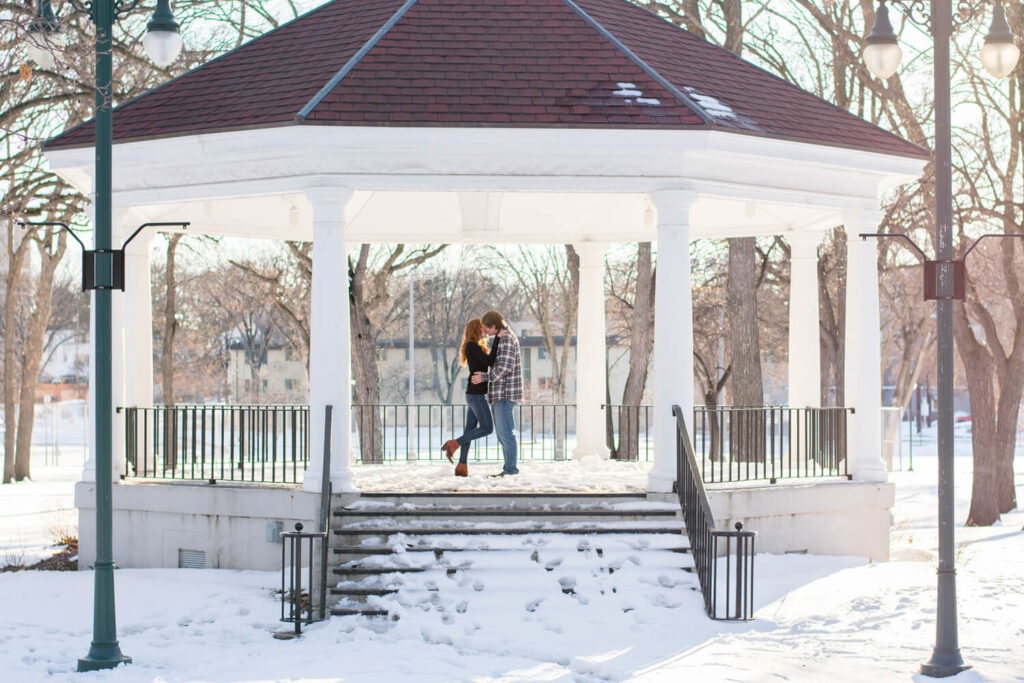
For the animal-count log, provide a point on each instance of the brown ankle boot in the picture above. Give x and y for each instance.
(461, 470)
(449, 447)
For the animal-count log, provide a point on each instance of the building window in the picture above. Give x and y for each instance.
(265, 383)
(289, 354)
(248, 386)
(289, 384)
(542, 353)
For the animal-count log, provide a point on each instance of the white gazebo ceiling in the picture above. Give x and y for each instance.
(489, 185)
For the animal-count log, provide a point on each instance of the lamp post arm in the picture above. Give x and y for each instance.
(172, 224)
(991, 234)
(26, 224)
(88, 7)
(913, 244)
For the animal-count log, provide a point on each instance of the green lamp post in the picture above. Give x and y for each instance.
(163, 43)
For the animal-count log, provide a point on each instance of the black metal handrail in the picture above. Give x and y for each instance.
(729, 587)
(326, 490)
(295, 601)
(770, 442)
(249, 443)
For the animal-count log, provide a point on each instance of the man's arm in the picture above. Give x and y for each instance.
(503, 364)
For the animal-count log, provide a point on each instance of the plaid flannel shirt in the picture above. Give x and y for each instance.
(505, 379)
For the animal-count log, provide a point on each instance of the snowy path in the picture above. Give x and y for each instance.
(818, 618)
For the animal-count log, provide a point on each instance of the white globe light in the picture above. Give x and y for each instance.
(162, 47)
(999, 59)
(999, 55)
(882, 59)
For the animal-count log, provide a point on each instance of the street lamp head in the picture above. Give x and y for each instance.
(45, 40)
(162, 40)
(1000, 54)
(882, 53)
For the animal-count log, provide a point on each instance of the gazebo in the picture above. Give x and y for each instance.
(535, 121)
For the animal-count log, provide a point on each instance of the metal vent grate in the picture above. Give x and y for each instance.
(191, 559)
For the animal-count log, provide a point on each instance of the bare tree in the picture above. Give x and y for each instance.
(370, 274)
(632, 293)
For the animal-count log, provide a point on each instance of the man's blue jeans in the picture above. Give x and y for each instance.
(478, 423)
(504, 427)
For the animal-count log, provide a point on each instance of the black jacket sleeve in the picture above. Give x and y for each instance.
(493, 352)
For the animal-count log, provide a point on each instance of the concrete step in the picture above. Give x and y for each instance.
(352, 611)
(498, 515)
(364, 591)
(367, 572)
(493, 529)
(523, 499)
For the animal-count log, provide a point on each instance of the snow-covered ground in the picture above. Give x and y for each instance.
(818, 618)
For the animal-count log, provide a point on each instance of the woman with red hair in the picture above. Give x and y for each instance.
(475, 354)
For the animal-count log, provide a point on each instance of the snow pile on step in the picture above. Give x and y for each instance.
(587, 475)
(543, 589)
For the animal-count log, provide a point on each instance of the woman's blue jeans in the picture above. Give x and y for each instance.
(478, 423)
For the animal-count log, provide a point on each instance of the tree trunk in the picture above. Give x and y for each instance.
(167, 356)
(16, 262)
(832, 316)
(641, 344)
(747, 383)
(364, 367)
(50, 255)
(993, 422)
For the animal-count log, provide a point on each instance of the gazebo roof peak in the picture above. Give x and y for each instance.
(486, 63)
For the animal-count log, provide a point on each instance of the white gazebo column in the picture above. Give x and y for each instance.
(591, 353)
(136, 319)
(118, 320)
(89, 468)
(329, 341)
(804, 334)
(673, 332)
(863, 369)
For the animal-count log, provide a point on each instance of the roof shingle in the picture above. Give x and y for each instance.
(499, 63)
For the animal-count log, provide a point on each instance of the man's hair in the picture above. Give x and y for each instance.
(493, 319)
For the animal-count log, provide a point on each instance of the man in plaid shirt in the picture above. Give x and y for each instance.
(504, 386)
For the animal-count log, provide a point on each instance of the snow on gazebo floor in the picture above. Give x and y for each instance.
(587, 475)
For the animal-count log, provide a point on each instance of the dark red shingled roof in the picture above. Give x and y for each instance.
(497, 63)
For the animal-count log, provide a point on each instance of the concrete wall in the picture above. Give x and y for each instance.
(825, 518)
(152, 521)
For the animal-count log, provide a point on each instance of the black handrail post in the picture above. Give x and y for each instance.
(325, 509)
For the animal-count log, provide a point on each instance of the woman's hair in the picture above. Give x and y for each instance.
(474, 334)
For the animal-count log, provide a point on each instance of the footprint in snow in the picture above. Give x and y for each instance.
(551, 565)
(534, 604)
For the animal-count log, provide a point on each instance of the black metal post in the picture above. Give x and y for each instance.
(946, 659)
